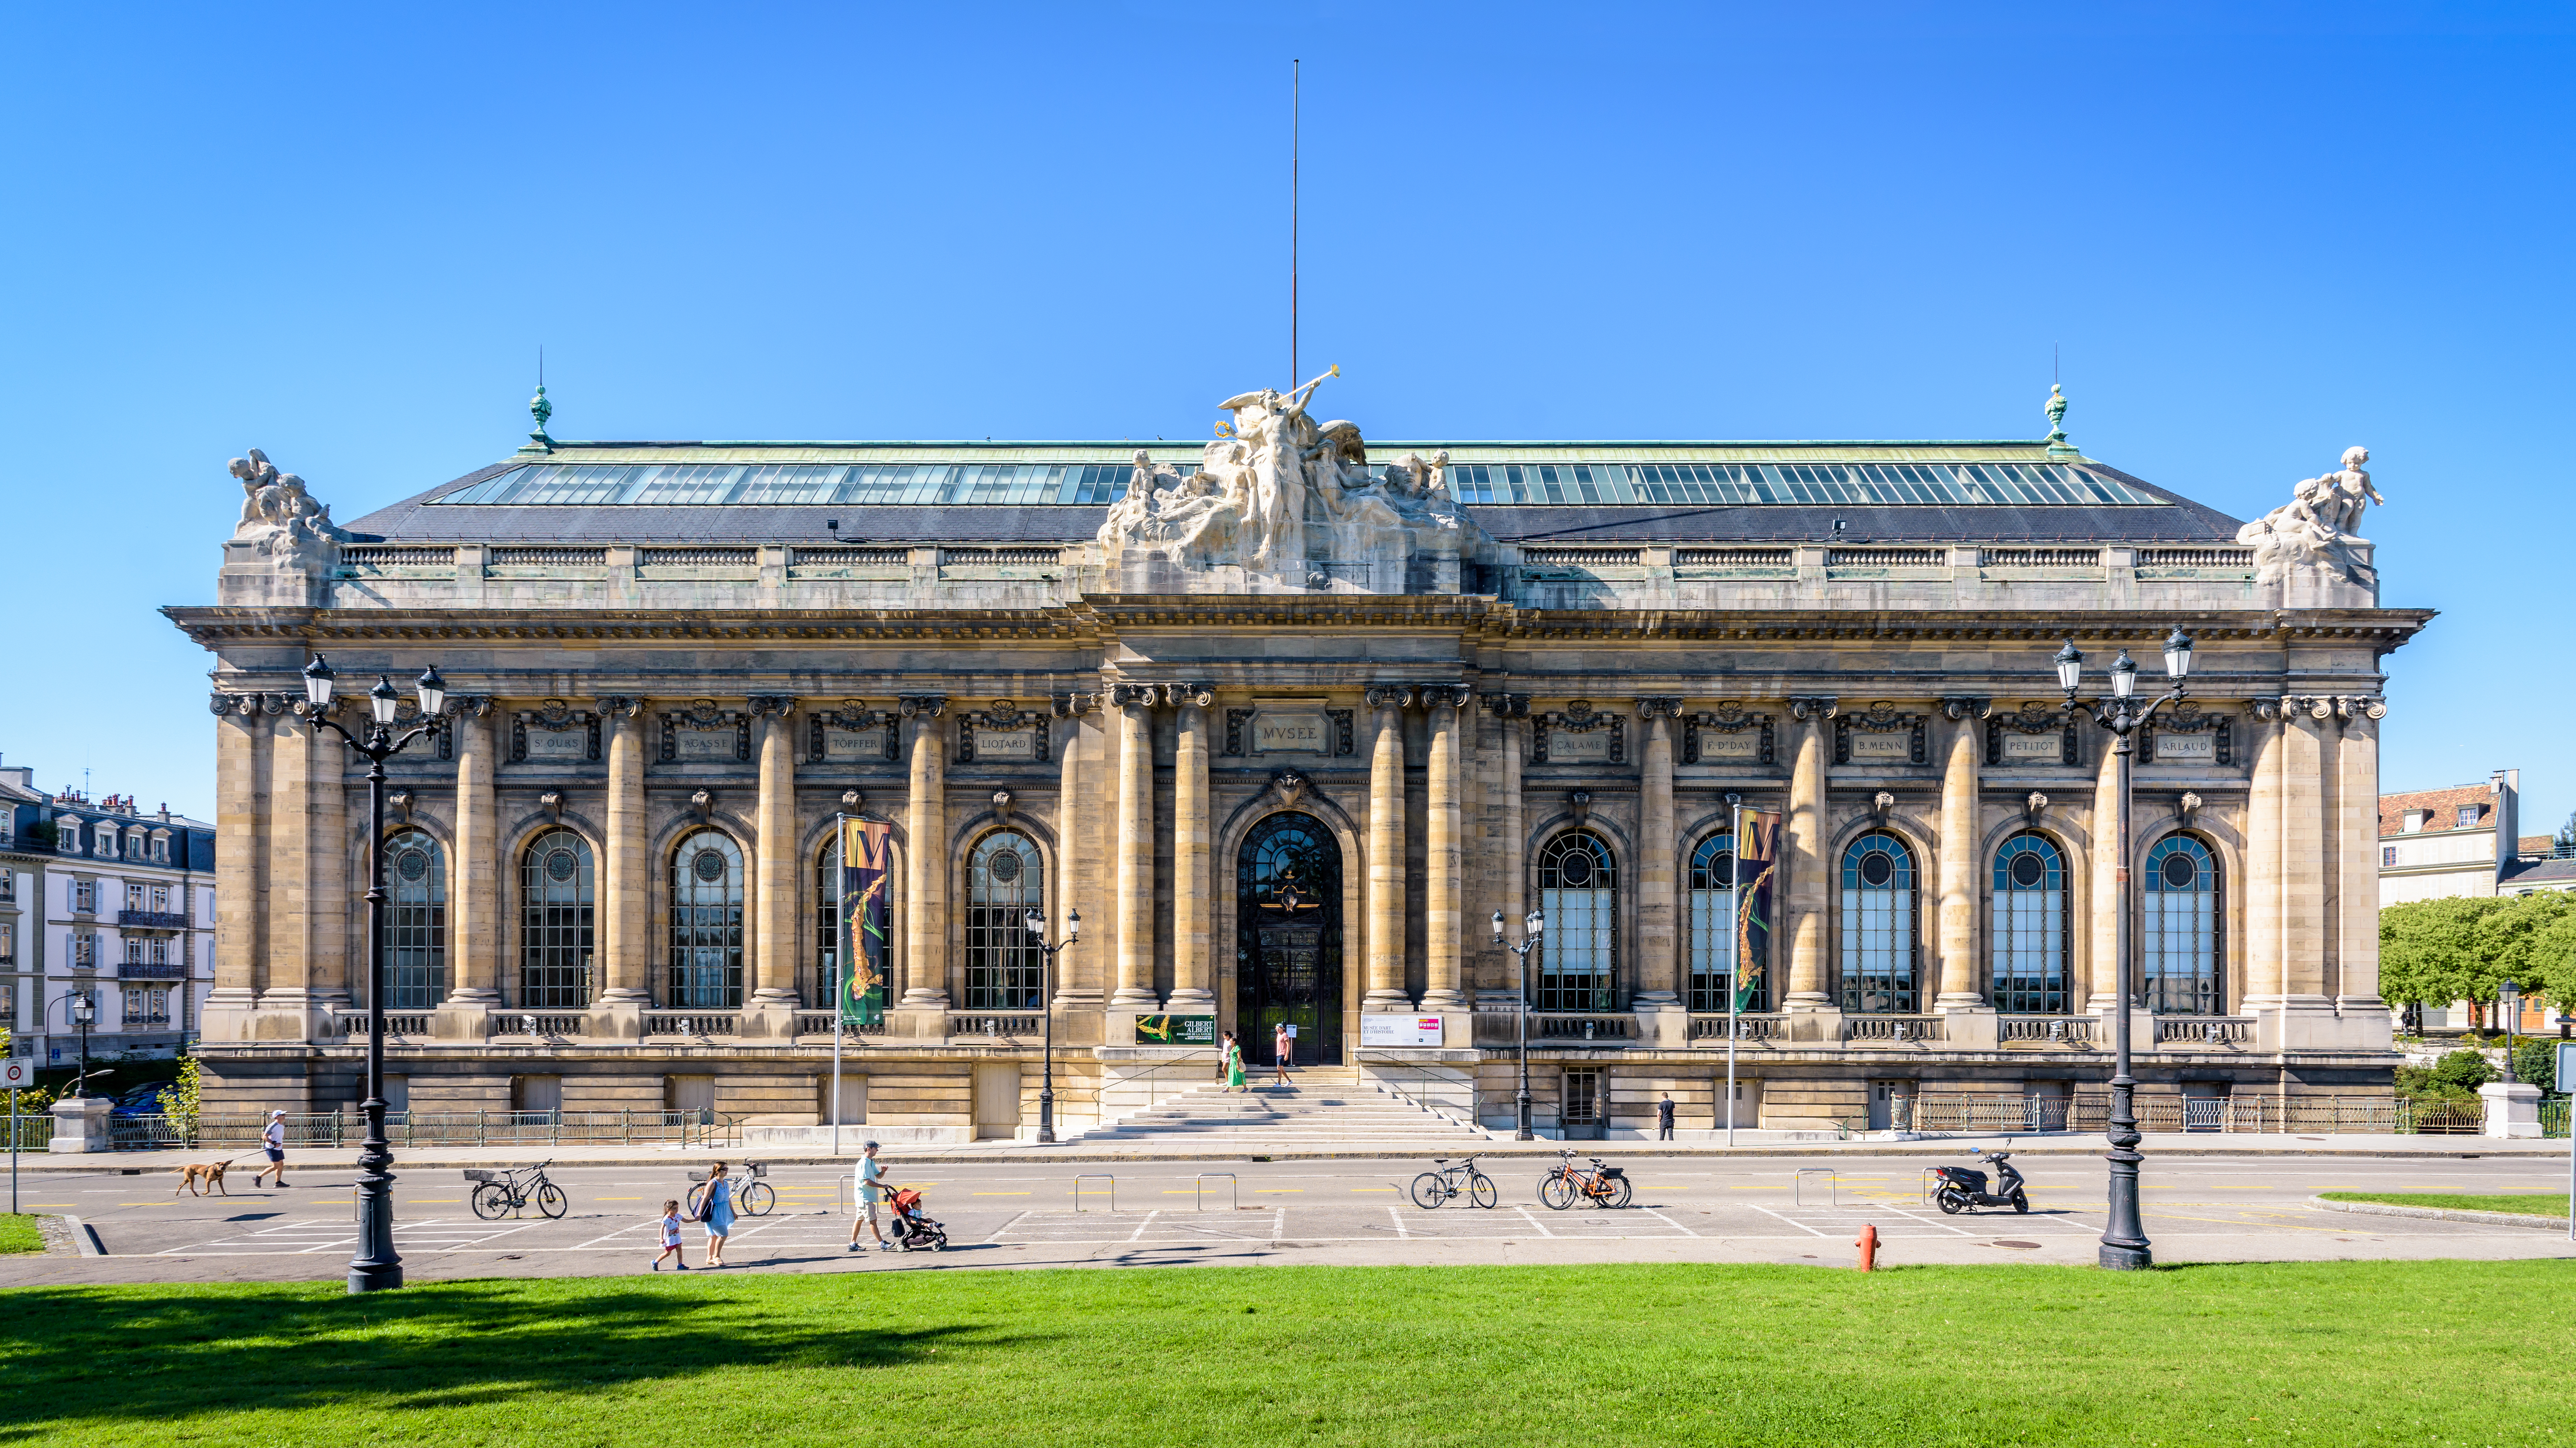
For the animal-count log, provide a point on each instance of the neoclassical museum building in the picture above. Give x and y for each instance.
(1288, 718)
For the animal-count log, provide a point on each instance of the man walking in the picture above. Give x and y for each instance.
(871, 1185)
(1664, 1118)
(272, 1139)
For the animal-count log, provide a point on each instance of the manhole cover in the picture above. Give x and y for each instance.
(2025, 1246)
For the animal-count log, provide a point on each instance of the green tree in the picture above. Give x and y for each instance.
(2536, 1063)
(2428, 951)
(2461, 1073)
(2553, 956)
(179, 1098)
(2509, 940)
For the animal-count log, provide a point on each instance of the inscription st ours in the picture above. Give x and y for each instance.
(569, 744)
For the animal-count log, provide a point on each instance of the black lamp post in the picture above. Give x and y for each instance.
(1533, 926)
(2124, 1243)
(2509, 1005)
(375, 1266)
(1046, 1002)
(81, 1007)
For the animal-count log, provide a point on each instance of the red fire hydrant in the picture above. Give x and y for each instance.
(1868, 1245)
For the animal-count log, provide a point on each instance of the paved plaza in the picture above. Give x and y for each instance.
(1020, 1214)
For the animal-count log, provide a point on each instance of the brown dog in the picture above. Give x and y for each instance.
(211, 1174)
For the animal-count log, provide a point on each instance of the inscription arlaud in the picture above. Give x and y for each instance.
(1291, 504)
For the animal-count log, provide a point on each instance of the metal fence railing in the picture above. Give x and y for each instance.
(2090, 1111)
(2553, 1116)
(421, 1128)
(29, 1131)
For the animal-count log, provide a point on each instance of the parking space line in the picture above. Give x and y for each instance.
(1792, 1221)
(1535, 1224)
(1398, 1218)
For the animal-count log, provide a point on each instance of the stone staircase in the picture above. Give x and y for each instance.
(1329, 1108)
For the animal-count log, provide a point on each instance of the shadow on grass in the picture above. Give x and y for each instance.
(70, 1354)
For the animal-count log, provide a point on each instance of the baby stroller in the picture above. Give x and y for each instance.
(913, 1229)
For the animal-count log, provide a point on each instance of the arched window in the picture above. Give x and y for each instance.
(2029, 927)
(2178, 929)
(1878, 926)
(706, 923)
(558, 891)
(416, 925)
(1003, 966)
(1577, 887)
(1713, 933)
(827, 921)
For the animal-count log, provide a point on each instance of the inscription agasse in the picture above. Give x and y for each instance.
(700, 743)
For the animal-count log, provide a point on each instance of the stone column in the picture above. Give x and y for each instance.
(1804, 852)
(780, 942)
(624, 917)
(925, 864)
(1193, 950)
(2262, 986)
(1076, 977)
(286, 994)
(2364, 1015)
(1658, 987)
(1959, 863)
(1135, 706)
(338, 932)
(2307, 755)
(241, 927)
(2103, 941)
(474, 865)
(1445, 864)
(1386, 865)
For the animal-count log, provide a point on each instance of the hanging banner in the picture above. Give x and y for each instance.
(867, 874)
(1757, 866)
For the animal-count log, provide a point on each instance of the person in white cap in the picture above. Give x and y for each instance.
(273, 1139)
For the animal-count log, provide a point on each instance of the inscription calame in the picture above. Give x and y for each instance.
(1567, 746)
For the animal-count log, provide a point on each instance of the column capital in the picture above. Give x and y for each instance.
(1959, 708)
(468, 706)
(1813, 708)
(1067, 706)
(922, 706)
(2270, 711)
(1508, 706)
(1133, 696)
(2353, 707)
(620, 706)
(1659, 707)
(1445, 696)
(781, 705)
(1195, 696)
(1388, 696)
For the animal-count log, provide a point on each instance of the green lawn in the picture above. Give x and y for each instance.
(2538, 1204)
(1635, 1356)
(18, 1233)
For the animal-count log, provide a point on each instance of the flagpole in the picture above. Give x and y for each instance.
(840, 974)
(1734, 945)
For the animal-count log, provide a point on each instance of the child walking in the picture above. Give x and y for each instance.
(671, 1238)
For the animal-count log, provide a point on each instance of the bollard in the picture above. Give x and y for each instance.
(1868, 1245)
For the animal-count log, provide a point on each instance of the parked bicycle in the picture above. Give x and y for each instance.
(509, 1193)
(1603, 1186)
(752, 1197)
(1447, 1180)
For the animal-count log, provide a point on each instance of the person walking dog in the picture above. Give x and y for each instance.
(272, 1139)
(715, 1209)
(671, 1238)
(867, 1210)
(1664, 1118)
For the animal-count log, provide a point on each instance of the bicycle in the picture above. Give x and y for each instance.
(1445, 1181)
(752, 1197)
(1603, 1186)
(510, 1192)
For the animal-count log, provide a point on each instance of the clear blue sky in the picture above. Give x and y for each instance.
(2259, 235)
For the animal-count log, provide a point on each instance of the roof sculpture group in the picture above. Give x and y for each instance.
(2317, 532)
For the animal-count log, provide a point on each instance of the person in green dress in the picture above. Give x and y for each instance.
(1233, 1063)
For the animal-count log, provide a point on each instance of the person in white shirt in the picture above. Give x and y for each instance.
(272, 1138)
(871, 1185)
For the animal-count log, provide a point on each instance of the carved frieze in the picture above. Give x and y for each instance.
(2036, 733)
(1727, 734)
(704, 732)
(1005, 733)
(1345, 741)
(554, 732)
(1579, 734)
(1879, 734)
(2183, 733)
(850, 733)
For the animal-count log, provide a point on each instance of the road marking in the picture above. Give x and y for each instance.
(1792, 1221)
(617, 1199)
(1533, 1221)
(1398, 1218)
(1676, 1226)
(1011, 1194)
(1149, 1221)
(1275, 1191)
(1372, 1189)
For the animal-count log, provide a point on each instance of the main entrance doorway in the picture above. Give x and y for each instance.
(1288, 938)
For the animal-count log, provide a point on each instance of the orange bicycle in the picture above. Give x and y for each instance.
(1603, 1186)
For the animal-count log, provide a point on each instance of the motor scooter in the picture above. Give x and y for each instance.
(1962, 1188)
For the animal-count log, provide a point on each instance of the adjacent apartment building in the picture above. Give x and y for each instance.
(103, 900)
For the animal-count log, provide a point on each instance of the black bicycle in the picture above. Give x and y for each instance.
(1447, 1180)
(509, 1193)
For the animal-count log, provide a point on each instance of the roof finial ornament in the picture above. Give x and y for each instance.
(2058, 447)
(540, 409)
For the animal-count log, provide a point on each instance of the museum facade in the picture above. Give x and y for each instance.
(1290, 719)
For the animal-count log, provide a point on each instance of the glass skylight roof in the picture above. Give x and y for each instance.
(1542, 484)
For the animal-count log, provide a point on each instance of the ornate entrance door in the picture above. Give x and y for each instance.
(1288, 938)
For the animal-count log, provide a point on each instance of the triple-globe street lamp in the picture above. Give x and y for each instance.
(375, 1267)
(2124, 1244)
(1533, 925)
(1046, 1003)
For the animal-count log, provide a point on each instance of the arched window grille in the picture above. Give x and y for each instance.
(558, 895)
(2029, 927)
(1879, 966)
(827, 922)
(2178, 929)
(1578, 888)
(1713, 936)
(706, 923)
(1003, 966)
(416, 922)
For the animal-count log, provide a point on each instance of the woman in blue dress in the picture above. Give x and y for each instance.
(715, 1209)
